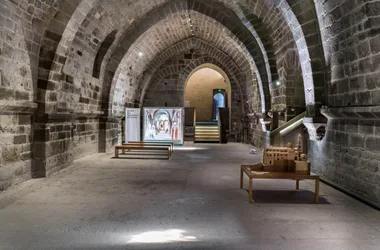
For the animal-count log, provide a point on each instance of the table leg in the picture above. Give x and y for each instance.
(241, 178)
(316, 190)
(250, 191)
(298, 184)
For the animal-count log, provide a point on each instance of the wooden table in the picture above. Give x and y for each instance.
(166, 149)
(276, 175)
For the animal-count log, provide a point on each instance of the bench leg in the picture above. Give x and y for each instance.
(298, 184)
(116, 153)
(250, 199)
(316, 190)
(241, 178)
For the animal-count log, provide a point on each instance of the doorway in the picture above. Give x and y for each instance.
(207, 89)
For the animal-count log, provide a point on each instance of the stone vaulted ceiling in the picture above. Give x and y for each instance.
(254, 36)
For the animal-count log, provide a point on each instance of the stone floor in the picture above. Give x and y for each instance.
(192, 201)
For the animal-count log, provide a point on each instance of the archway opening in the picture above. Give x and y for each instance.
(207, 89)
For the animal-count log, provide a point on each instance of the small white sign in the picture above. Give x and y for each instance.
(132, 124)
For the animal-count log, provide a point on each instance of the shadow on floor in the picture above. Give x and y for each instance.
(286, 197)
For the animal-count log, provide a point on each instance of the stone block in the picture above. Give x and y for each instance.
(24, 119)
(373, 144)
(20, 139)
(367, 127)
(363, 98)
(373, 81)
(341, 138)
(357, 84)
(352, 126)
(356, 141)
(363, 49)
(22, 95)
(372, 8)
(375, 65)
(375, 95)
(372, 165)
(375, 44)
(6, 93)
(26, 156)
(41, 135)
(61, 135)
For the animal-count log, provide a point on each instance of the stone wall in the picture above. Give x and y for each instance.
(349, 154)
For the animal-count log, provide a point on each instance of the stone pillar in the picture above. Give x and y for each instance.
(15, 142)
(109, 133)
(52, 144)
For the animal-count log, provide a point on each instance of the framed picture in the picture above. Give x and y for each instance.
(164, 124)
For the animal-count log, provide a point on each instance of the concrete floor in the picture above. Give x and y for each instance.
(192, 201)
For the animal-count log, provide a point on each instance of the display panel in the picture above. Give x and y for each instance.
(163, 124)
(132, 124)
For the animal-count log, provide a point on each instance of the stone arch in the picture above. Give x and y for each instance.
(53, 52)
(196, 43)
(154, 18)
(104, 47)
(124, 73)
(239, 97)
(303, 53)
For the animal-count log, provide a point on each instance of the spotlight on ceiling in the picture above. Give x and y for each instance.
(277, 82)
(140, 54)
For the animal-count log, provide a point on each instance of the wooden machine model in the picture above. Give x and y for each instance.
(284, 159)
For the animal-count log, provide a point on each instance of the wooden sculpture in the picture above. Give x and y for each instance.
(285, 159)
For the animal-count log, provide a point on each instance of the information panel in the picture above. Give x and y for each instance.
(164, 124)
(132, 124)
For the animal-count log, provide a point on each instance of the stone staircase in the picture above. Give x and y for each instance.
(207, 132)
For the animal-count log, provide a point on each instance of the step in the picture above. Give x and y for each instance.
(207, 137)
(207, 140)
(207, 133)
(207, 127)
(206, 124)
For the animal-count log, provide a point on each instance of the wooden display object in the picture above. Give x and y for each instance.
(281, 163)
(252, 173)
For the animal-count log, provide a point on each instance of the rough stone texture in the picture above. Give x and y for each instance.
(73, 66)
(15, 149)
(349, 153)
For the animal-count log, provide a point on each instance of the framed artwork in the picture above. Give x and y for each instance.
(164, 124)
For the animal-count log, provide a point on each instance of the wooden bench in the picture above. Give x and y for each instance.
(165, 149)
(170, 144)
(252, 174)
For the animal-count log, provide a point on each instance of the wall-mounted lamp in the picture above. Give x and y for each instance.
(277, 82)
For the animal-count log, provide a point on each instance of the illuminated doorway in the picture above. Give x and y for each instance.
(202, 89)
